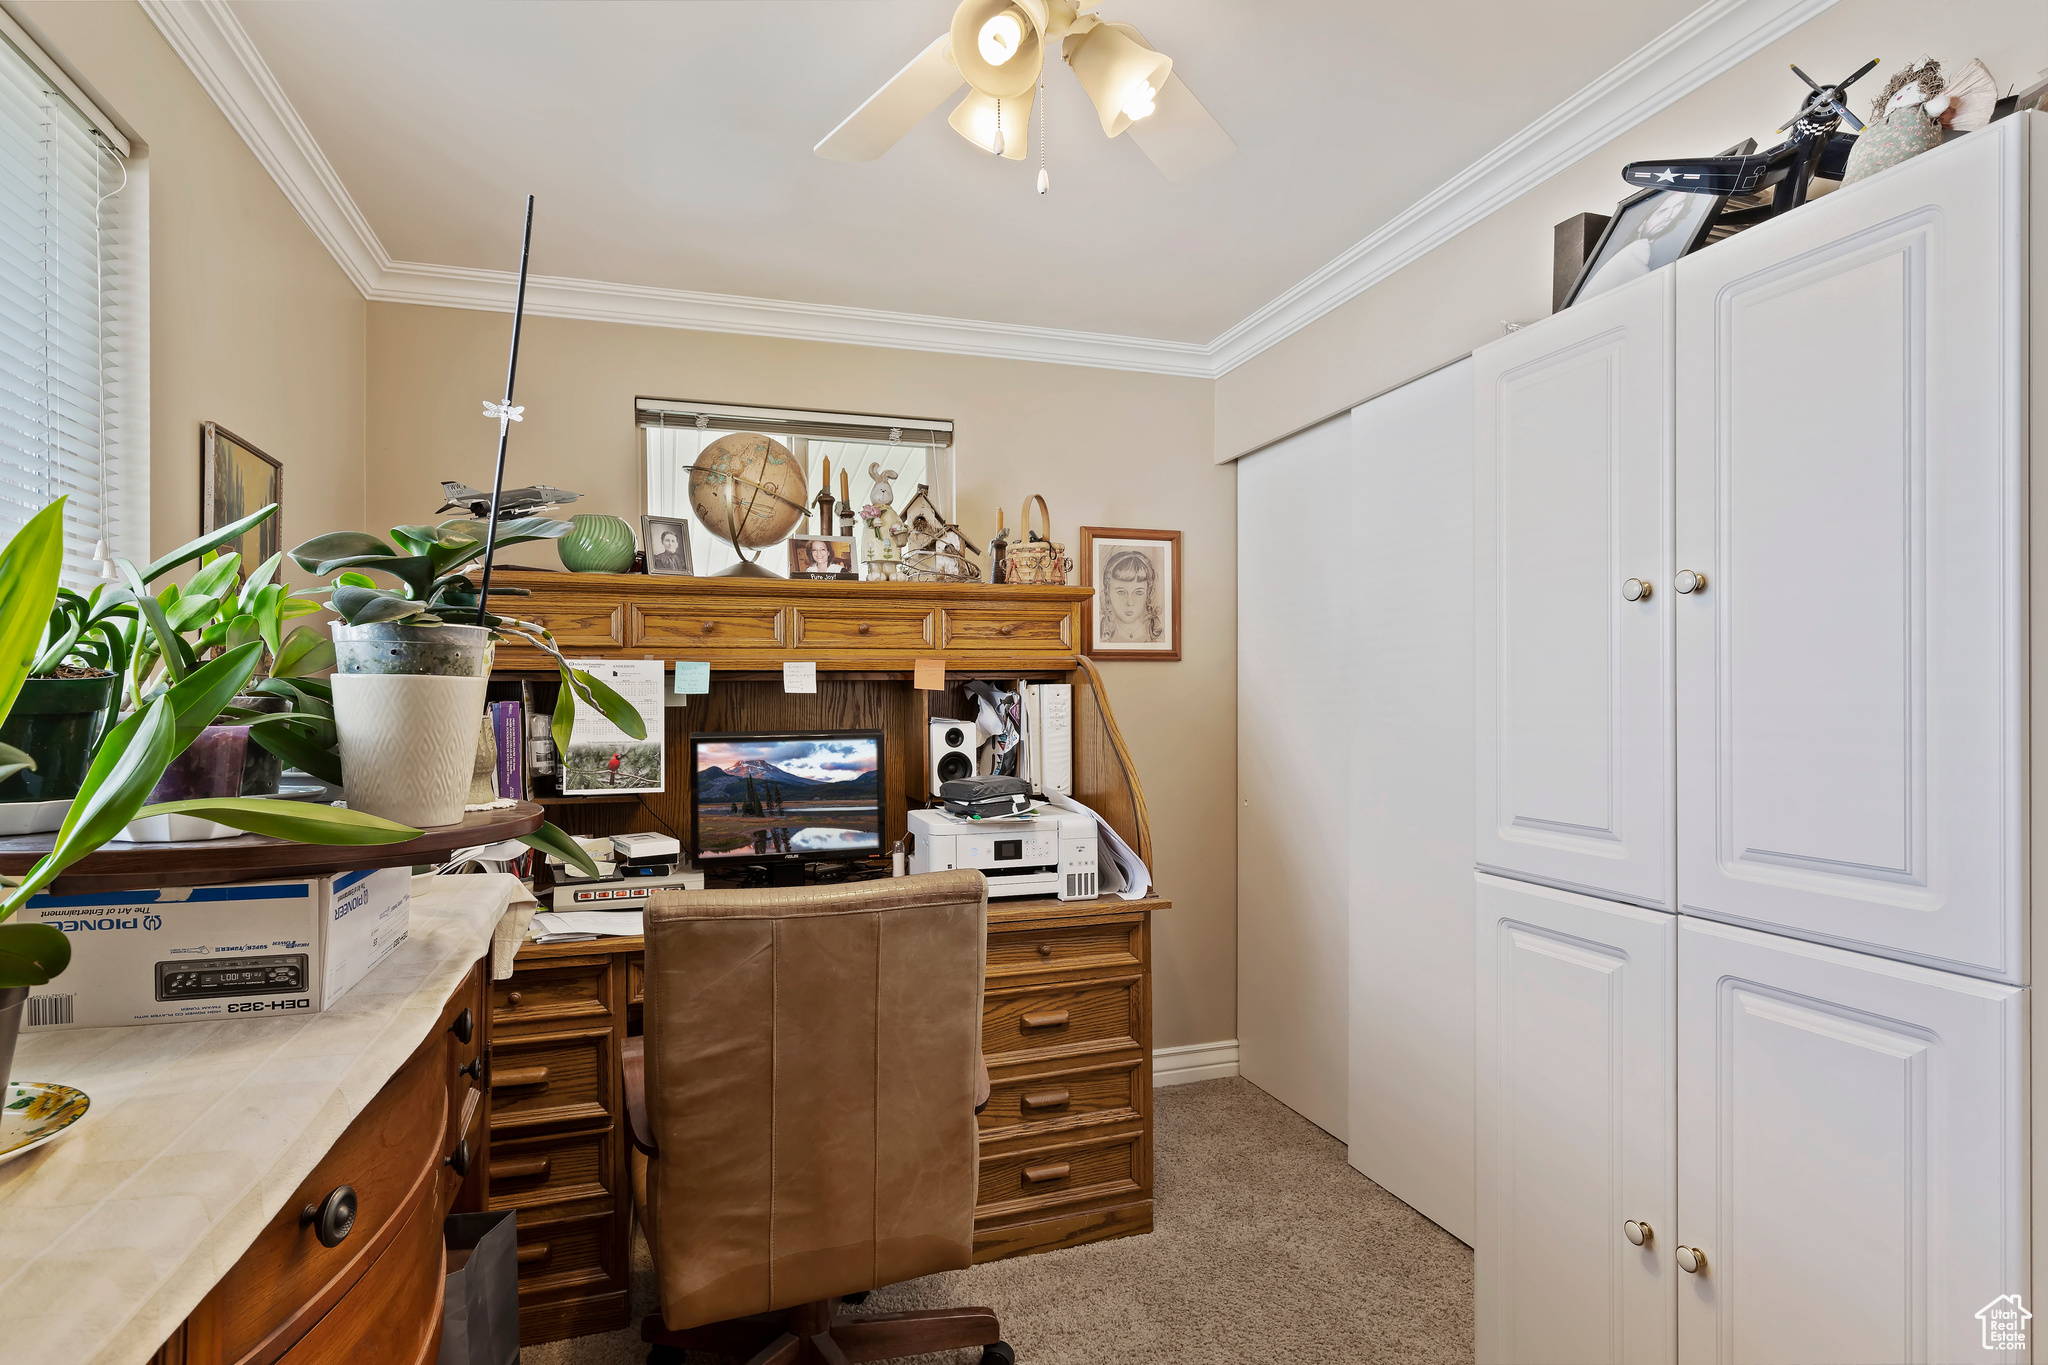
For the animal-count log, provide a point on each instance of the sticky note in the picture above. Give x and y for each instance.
(929, 675)
(800, 677)
(693, 679)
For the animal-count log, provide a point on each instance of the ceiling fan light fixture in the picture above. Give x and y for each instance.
(974, 118)
(999, 45)
(1120, 71)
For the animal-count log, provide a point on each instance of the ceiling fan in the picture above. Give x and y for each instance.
(997, 48)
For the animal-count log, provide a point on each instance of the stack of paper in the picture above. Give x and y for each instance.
(1117, 868)
(567, 926)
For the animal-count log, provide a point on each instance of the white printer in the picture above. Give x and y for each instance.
(1052, 854)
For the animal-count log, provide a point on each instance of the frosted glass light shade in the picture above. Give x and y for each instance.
(1018, 72)
(1113, 64)
(974, 118)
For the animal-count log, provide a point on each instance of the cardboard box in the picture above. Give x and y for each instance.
(213, 952)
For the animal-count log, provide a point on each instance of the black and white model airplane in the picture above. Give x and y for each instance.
(1814, 149)
(513, 503)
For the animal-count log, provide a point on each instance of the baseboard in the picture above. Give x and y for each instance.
(1194, 1062)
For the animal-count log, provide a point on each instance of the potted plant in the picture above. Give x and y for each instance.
(127, 762)
(412, 663)
(70, 697)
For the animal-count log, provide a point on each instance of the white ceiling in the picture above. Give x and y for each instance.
(668, 145)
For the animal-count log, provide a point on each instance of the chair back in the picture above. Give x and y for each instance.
(812, 1061)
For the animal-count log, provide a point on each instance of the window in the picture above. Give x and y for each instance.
(67, 300)
(917, 450)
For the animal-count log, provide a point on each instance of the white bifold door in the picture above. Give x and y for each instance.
(1577, 1139)
(1572, 548)
(1851, 650)
(1851, 1154)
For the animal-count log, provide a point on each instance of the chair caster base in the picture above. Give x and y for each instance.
(1001, 1353)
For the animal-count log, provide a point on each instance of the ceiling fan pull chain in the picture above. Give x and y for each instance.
(998, 147)
(1042, 180)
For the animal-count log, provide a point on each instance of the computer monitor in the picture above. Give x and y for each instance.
(785, 799)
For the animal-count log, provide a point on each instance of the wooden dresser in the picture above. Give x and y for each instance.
(1066, 1140)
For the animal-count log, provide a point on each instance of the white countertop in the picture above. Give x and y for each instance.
(198, 1133)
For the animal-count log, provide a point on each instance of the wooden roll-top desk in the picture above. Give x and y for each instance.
(1066, 1140)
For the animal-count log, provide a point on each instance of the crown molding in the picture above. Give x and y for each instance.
(212, 43)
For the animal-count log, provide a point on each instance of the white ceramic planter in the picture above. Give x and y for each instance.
(408, 741)
(172, 829)
(32, 817)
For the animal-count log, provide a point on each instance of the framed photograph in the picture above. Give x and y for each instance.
(821, 557)
(235, 479)
(667, 543)
(1650, 229)
(1135, 613)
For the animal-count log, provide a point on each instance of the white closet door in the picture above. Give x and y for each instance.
(1576, 1129)
(1408, 675)
(1573, 490)
(1294, 718)
(1851, 1153)
(1850, 464)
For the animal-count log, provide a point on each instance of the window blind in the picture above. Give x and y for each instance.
(784, 422)
(60, 231)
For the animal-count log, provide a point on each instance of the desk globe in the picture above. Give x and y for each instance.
(748, 490)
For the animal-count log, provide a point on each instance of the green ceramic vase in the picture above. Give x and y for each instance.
(598, 542)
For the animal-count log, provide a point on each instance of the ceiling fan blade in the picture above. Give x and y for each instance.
(896, 108)
(1183, 139)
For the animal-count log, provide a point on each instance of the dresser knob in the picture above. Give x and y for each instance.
(1045, 950)
(333, 1218)
(1690, 581)
(1692, 1260)
(464, 1027)
(1007, 628)
(513, 998)
(708, 627)
(862, 628)
(1635, 590)
(474, 1069)
(1638, 1234)
(459, 1158)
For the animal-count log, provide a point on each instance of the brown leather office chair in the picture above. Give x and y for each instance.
(803, 1116)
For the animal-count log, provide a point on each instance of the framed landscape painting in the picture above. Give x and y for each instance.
(1135, 613)
(235, 479)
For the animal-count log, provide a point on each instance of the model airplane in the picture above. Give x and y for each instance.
(1814, 149)
(513, 503)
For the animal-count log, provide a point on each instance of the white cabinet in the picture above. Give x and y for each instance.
(1572, 547)
(1576, 1129)
(1850, 487)
(1851, 1153)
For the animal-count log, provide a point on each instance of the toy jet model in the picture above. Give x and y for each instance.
(1813, 149)
(513, 503)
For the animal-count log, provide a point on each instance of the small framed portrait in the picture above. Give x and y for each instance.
(821, 557)
(235, 479)
(667, 543)
(1135, 613)
(1649, 231)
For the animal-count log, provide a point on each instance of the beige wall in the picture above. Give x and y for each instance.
(1105, 448)
(252, 324)
(1457, 296)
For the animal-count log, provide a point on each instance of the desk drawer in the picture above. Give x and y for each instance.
(872, 628)
(1106, 1092)
(553, 1079)
(711, 623)
(554, 995)
(1060, 947)
(552, 1170)
(389, 1157)
(1079, 1016)
(577, 623)
(1047, 629)
(571, 1253)
(393, 1315)
(1050, 1176)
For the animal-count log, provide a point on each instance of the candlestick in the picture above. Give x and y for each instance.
(844, 496)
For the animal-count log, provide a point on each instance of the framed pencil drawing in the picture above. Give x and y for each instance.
(1135, 612)
(235, 479)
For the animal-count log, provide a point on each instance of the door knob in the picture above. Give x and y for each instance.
(1638, 1233)
(1690, 581)
(1692, 1260)
(1635, 590)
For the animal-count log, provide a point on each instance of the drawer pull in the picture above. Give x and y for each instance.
(458, 1160)
(464, 1027)
(507, 1077)
(1007, 628)
(862, 628)
(333, 1218)
(512, 999)
(1045, 950)
(525, 1168)
(533, 1251)
(474, 1069)
(1050, 1019)
(1047, 1099)
(708, 626)
(1037, 1175)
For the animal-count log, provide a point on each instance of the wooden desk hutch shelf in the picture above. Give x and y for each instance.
(1066, 1140)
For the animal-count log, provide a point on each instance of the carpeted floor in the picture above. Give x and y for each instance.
(1268, 1248)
